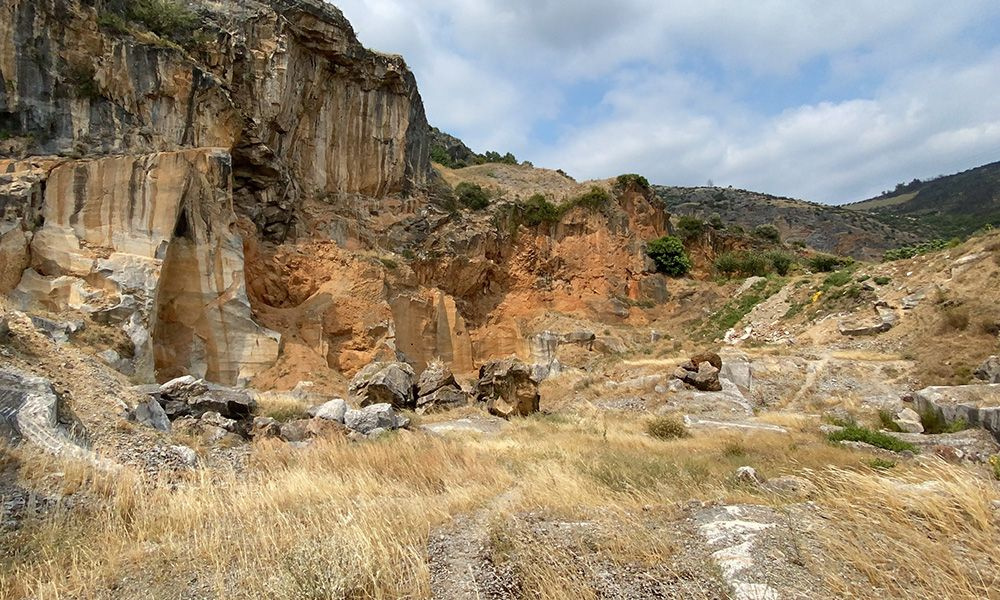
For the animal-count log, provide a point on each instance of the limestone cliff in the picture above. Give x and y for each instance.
(252, 203)
(131, 158)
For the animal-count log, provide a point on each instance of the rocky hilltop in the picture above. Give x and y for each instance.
(827, 228)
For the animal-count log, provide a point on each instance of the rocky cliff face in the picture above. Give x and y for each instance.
(131, 159)
(249, 207)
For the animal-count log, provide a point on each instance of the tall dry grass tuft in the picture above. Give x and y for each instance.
(930, 533)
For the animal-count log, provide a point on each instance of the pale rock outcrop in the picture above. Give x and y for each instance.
(334, 410)
(908, 421)
(976, 405)
(146, 242)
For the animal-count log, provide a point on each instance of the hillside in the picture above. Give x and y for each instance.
(944, 207)
(255, 343)
(826, 228)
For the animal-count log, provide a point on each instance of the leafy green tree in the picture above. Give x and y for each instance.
(669, 255)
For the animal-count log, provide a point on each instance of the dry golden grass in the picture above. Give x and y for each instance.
(352, 520)
(281, 406)
(931, 533)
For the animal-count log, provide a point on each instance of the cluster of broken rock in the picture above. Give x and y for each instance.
(380, 391)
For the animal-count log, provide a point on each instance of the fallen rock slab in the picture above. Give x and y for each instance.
(756, 552)
(481, 426)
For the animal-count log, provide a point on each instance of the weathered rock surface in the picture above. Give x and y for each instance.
(381, 382)
(976, 405)
(151, 414)
(29, 411)
(334, 410)
(370, 418)
(190, 397)
(908, 421)
(442, 399)
(437, 389)
(989, 371)
(886, 318)
(507, 388)
(436, 376)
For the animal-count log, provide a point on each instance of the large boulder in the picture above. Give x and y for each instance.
(437, 389)
(151, 414)
(507, 388)
(187, 396)
(701, 372)
(183, 388)
(436, 376)
(334, 410)
(989, 371)
(374, 416)
(975, 405)
(384, 383)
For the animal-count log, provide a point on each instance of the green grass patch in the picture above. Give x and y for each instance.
(885, 418)
(734, 310)
(934, 423)
(856, 433)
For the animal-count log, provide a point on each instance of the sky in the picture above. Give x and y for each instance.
(831, 101)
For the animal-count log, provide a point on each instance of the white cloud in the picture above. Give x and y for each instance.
(909, 87)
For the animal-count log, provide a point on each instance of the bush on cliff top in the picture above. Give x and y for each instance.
(168, 19)
(669, 255)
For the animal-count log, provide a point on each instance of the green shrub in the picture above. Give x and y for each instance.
(837, 279)
(630, 180)
(881, 280)
(856, 433)
(166, 18)
(881, 464)
(824, 263)
(918, 249)
(441, 156)
(715, 221)
(753, 264)
(537, 210)
(596, 199)
(768, 232)
(669, 255)
(934, 422)
(689, 228)
(471, 195)
(781, 261)
(667, 427)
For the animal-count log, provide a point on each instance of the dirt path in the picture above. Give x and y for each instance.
(457, 554)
